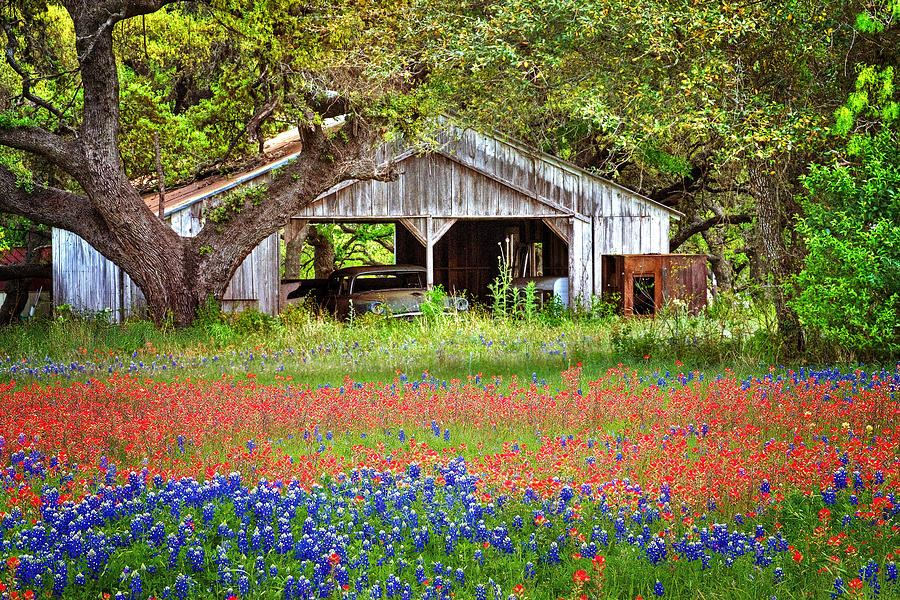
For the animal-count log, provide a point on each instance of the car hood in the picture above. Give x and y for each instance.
(396, 301)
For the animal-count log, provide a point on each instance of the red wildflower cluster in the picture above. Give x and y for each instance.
(725, 440)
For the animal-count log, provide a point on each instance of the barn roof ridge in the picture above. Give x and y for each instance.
(286, 138)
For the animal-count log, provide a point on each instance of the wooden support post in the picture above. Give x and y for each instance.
(429, 254)
(597, 254)
(574, 248)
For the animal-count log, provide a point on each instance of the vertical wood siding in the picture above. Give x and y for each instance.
(88, 282)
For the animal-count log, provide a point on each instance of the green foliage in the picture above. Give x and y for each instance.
(873, 99)
(603, 308)
(226, 208)
(195, 74)
(503, 295)
(301, 314)
(553, 312)
(11, 121)
(877, 16)
(208, 313)
(374, 349)
(850, 284)
(435, 305)
(16, 163)
(251, 320)
(13, 231)
(529, 303)
(665, 162)
(642, 85)
(729, 331)
(354, 244)
(508, 302)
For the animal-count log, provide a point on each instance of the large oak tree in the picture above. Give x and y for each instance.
(85, 95)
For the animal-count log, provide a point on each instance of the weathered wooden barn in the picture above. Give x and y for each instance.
(456, 207)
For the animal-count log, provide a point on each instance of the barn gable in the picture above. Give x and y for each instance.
(469, 176)
(432, 184)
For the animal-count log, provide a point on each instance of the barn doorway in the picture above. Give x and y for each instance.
(467, 257)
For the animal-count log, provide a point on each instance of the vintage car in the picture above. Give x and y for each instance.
(391, 290)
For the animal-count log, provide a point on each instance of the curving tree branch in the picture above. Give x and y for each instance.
(60, 151)
(685, 233)
(57, 208)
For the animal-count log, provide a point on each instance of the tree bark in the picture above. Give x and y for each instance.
(295, 234)
(776, 262)
(24, 271)
(323, 253)
(160, 178)
(720, 267)
(686, 232)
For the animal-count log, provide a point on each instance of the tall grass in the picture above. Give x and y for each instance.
(448, 345)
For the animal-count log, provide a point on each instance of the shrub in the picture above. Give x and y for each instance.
(250, 320)
(435, 304)
(850, 282)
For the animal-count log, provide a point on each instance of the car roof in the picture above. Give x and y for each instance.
(353, 271)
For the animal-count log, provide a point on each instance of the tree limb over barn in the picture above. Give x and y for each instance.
(688, 231)
(96, 199)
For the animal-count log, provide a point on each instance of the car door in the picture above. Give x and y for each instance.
(331, 300)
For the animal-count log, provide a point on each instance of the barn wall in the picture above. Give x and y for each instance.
(256, 282)
(84, 279)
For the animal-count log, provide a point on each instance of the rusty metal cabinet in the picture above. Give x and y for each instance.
(641, 284)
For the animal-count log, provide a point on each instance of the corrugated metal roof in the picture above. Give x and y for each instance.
(16, 256)
(277, 151)
(13, 256)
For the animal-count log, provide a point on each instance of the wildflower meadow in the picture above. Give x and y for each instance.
(631, 482)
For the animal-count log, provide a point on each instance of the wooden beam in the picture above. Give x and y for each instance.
(438, 227)
(415, 227)
(429, 254)
(400, 217)
(293, 228)
(562, 227)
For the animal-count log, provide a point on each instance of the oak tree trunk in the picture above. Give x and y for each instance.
(295, 233)
(323, 253)
(776, 261)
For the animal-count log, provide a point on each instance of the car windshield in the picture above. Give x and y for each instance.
(368, 282)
